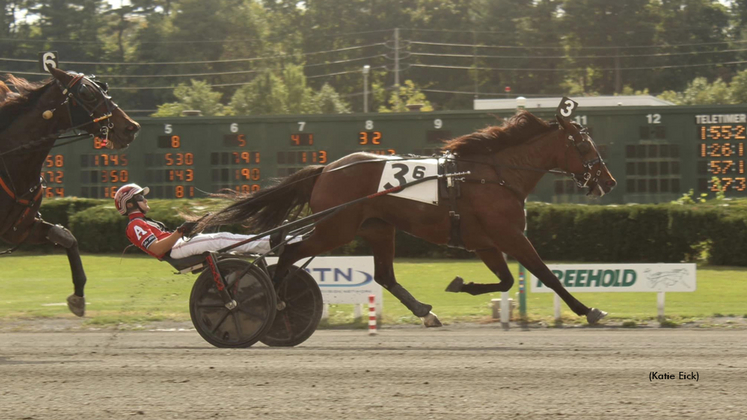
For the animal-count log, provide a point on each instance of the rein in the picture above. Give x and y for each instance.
(587, 177)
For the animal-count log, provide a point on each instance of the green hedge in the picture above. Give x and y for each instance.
(714, 231)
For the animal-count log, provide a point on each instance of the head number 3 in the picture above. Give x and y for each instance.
(567, 107)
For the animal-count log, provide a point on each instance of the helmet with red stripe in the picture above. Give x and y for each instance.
(126, 193)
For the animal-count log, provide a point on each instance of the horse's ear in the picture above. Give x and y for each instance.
(63, 76)
(563, 122)
(568, 126)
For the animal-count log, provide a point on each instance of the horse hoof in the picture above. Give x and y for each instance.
(76, 304)
(595, 315)
(456, 285)
(431, 320)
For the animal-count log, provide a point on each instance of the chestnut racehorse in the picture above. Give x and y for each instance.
(505, 163)
(31, 120)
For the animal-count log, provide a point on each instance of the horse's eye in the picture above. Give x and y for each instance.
(584, 147)
(86, 93)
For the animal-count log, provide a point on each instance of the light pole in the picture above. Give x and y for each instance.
(521, 104)
(366, 69)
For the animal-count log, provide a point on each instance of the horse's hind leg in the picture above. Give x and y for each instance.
(494, 260)
(380, 236)
(58, 235)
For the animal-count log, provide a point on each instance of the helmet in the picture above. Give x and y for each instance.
(125, 194)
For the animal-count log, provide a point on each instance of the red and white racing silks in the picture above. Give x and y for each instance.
(144, 232)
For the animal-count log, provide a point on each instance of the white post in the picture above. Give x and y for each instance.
(505, 310)
(366, 69)
(371, 315)
(660, 305)
(556, 302)
(357, 312)
(325, 311)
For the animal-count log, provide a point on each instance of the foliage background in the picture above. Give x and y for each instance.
(289, 56)
(711, 231)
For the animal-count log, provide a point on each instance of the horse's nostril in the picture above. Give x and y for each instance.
(611, 183)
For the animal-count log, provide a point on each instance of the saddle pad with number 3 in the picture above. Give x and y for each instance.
(401, 171)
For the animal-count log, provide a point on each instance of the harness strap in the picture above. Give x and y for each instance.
(10, 192)
(38, 222)
(502, 183)
(28, 203)
(23, 201)
(455, 235)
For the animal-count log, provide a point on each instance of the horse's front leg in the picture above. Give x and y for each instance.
(494, 260)
(380, 236)
(521, 249)
(58, 235)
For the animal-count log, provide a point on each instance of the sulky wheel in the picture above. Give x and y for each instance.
(243, 325)
(301, 303)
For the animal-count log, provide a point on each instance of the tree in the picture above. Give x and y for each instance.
(198, 96)
(70, 20)
(596, 32)
(704, 25)
(700, 92)
(328, 101)
(8, 26)
(408, 94)
(265, 95)
(300, 97)
(271, 94)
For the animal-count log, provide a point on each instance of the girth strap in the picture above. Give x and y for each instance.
(28, 203)
(19, 200)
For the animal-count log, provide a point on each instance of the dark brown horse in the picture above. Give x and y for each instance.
(31, 120)
(505, 164)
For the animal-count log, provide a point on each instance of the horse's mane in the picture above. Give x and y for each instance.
(516, 130)
(14, 104)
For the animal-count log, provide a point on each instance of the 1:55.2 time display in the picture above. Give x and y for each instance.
(723, 132)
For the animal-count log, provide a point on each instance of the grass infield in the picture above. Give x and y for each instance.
(138, 289)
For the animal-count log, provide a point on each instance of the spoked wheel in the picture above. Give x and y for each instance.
(301, 303)
(243, 325)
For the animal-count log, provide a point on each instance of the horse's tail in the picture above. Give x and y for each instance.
(268, 207)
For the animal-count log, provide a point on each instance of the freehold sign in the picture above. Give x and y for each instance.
(621, 278)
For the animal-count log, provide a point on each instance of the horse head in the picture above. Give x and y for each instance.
(582, 160)
(90, 108)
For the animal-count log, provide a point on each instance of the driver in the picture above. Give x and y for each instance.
(156, 240)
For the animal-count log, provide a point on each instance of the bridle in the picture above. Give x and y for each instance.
(589, 175)
(79, 93)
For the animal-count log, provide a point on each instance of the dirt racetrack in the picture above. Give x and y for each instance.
(458, 372)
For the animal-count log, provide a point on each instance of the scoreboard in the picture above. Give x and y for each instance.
(655, 153)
